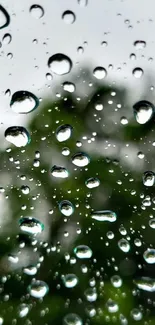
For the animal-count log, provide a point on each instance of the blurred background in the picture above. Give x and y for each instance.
(107, 69)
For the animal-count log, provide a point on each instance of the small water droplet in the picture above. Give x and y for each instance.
(37, 11)
(18, 136)
(143, 111)
(25, 189)
(148, 178)
(38, 289)
(104, 215)
(4, 18)
(139, 45)
(59, 172)
(31, 226)
(69, 86)
(70, 280)
(99, 107)
(83, 3)
(6, 39)
(68, 17)
(91, 294)
(138, 72)
(83, 251)
(30, 270)
(72, 319)
(66, 208)
(116, 281)
(49, 76)
(112, 306)
(63, 132)
(152, 223)
(60, 64)
(99, 73)
(23, 310)
(65, 151)
(80, 50)
(92, 182)
(23, 102)
(80, 159)
(124, 245)
(149, 256)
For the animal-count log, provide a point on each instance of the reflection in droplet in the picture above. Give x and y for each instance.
(60, 64)
(83, 251)
(72, 319)
(63, 132)
(68, 17)
(59, 172)
(99, 73)
(66, 208)
(139, 45)
(146, 284)
(23, 102)
(30, 225)
(143, 111)
(92, 182)
(104, 215)
(69, 86)
(149, 256)
(38, 289)
(6, 39)
(70, 280)
(18, 136)
(80, 159)
(138, 72)
(37, 11)
(148, 178)
(4, 18)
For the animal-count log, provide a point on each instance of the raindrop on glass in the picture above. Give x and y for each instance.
(30, 226)
(99, 73)
(4, 18)
(69, 86)
(104, 215)
(83, 251)
(23, 102)
(59, 172)
(66, 208)
(6, 39)
(83, 3)
(148, 178)
(72, 319)
(37, 11)
(63, 132)
(124, 245)
(92, 182)
(60, 64)
(138, 73)
(68, 17)
(23, 310)
(38, 289)
(139, 45)
(143, 111)
(18, 136)
(149, 256)
(80, 159)
(70, 280)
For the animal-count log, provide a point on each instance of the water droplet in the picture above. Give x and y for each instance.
(99, 107)
(148, 178)
(136, 314)
(116, 281)
(69, 86)
(152, 223)
(49, 76)
(72, 319)
(149, 256)
(143, 111)
(68, 17)
(80, 159)
(124, 120)
(83, 251)
(139, 45)
(25, 189)
(30, 225)
(70, 280)
(65, 151)
(23, 310)
(83, 3)
(92, 182)
(13, 258)
(91, 294)
(80, 50)
(104, 44)
(18, 136)
(140, 155)
(38, 289)
(104, 215)
(138, 72)
(132, 56)
(99, 73)
(4, 18)
(23, 102)
(146, 284)
(63, 132)
(6, 39)
(112, 306)
(59, 172)
(124, 245)
(37, 11)
(60, 64)
(30, 270)
(66, 208)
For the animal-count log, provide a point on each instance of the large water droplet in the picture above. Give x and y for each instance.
(4, 18)
(63, 132)
(68, 17)
(83, 251)
(69, 86)
(99, 73)
(72, 319)
(92, 182)
(60, 64)
(31, 226)
(59, 172)
(139, 45)
(23, 102)
(104, 215)
(18, 136)
(37, 11)
(116, 281)
(38, 289)
(124, 245)
(146, 284)
(149, 256)
(143, 111)
(148, 178)
(25, 189)
(23, 310)
(112, 306)
(70, 280)
(80, 159)
(66, 208)
(138, 72)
